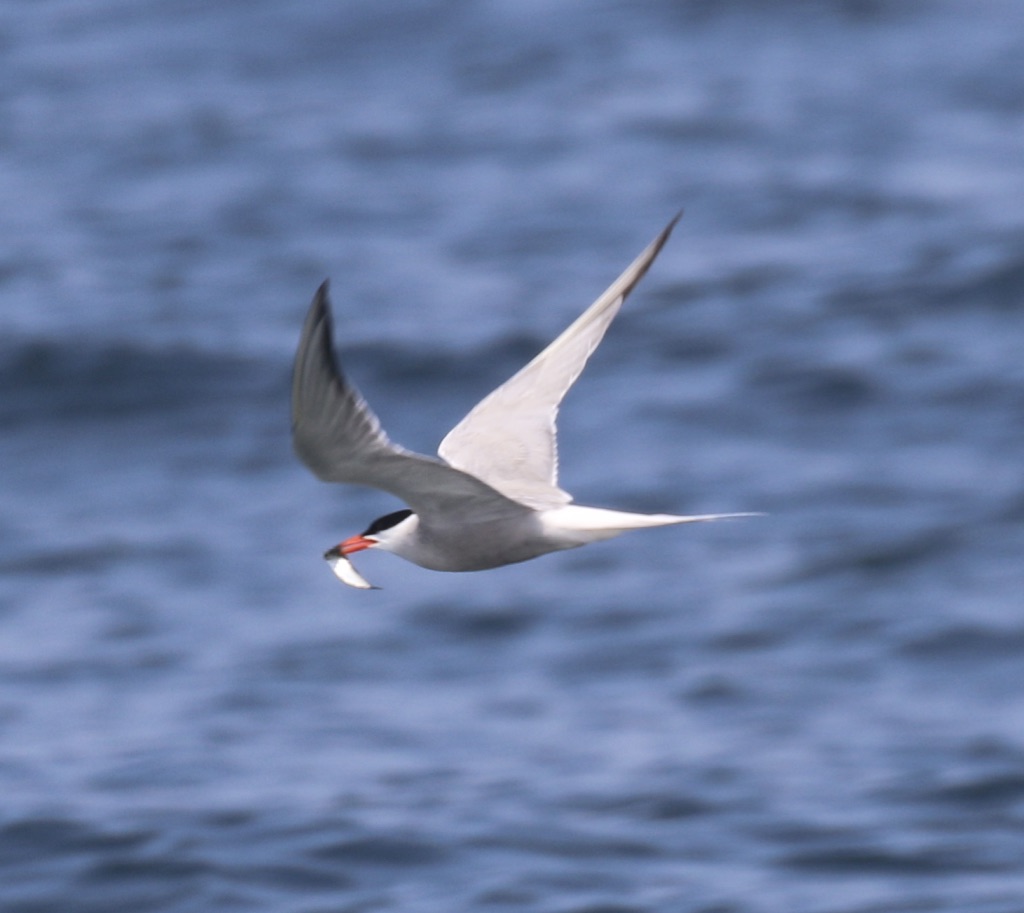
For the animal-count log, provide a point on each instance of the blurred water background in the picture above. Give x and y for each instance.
(819, 711)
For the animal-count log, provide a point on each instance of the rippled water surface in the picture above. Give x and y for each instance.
(819, 710)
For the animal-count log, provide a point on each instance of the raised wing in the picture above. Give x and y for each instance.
(509, 439)
(340, 439)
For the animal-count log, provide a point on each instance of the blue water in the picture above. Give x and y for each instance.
(818, 711)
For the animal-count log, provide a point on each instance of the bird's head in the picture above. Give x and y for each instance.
(384, 533)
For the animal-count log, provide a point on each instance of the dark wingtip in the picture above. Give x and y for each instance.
(322, 298)
(672, 224)
(659, 242)
(316, 335)
(319, 309)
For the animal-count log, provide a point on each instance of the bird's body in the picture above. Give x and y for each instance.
(492, 498)
(478, 545)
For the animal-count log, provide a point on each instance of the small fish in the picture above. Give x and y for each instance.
(346, 572)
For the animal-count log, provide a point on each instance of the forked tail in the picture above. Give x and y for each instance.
(591, 524)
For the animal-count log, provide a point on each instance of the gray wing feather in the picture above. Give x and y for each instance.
(338, 437)
(509, 439)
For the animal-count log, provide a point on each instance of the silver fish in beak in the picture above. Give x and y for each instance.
(345, 570)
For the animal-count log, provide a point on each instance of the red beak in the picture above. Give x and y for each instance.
(355, 544)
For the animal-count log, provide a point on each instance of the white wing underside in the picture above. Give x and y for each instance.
(509, 439)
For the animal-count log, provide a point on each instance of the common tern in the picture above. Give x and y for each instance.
(491, 497)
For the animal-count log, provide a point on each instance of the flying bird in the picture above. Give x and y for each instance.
(491, 496)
